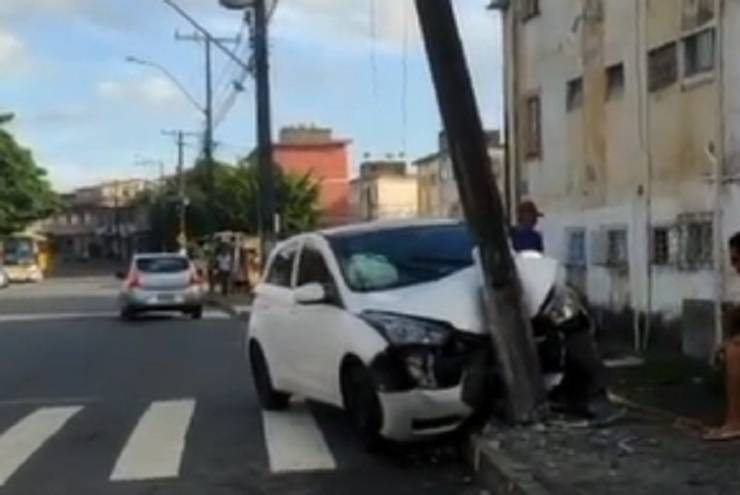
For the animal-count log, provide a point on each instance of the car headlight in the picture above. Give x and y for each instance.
(402, 330)
(562, 305)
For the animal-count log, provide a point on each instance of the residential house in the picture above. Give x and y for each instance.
(438, 193)
(313, 150)
(101, 221)
(618, 113)
(384, 190)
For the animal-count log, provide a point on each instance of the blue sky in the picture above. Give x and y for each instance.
(90, 116)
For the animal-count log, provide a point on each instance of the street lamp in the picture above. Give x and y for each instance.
(170, 77)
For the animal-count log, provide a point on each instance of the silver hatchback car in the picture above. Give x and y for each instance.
(161, 282)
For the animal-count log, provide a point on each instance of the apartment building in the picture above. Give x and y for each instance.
(622, 116)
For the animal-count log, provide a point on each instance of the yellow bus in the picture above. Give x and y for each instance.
(26, 257)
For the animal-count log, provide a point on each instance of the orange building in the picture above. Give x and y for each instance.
(313, 150)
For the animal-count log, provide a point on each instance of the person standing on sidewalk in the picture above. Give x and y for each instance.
(224, 264)
(729, 353)
(524, 236)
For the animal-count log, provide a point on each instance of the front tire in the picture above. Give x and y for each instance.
(197, 313)
(270, 399)
(363, 406)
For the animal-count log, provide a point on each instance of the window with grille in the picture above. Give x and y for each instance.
(662, 67)
(530, 8)
(533, 134)
(661, 246)
(699, 53)
(574, 94)
(576, 254)
(614, 81)
(617, 249)
(697, 231)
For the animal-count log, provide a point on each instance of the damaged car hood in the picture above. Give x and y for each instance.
(457, 298)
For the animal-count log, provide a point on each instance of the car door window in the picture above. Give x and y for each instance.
(281, 269)
(313, 269)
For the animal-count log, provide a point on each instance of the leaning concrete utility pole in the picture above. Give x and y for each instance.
(508, 324)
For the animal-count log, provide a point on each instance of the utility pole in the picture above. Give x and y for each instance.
(208, 137)
(508, 324)
(268, 219)
(182, 198)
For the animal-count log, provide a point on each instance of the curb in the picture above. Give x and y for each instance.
(499, 473)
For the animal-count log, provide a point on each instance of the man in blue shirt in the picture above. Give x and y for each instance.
(524, 237)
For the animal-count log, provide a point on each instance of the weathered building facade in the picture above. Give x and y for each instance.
(383, 191)
(620, 113)
(438, 193)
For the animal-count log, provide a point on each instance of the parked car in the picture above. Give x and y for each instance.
(161, 282)
(384, 320)
(4, 279)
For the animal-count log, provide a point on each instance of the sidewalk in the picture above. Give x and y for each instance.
(238, 305)
(656, 449)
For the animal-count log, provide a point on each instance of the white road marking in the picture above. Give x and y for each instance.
(19, 318)
(295, 442)
(95, 315)
(19, 442)
(154, 449)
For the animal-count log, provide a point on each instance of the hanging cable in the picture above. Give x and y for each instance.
(405, 81)
(373, 52)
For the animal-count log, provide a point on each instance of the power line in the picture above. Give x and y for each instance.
(405, 81)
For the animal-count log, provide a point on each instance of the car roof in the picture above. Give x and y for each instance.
(381, 225)
(158, 255)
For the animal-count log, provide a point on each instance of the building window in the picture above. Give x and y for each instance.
(576, 255)
(617, 248)
(614, 81)
(662, 67)
(661, 246)
(530, 8)
(574, 94)
(533, 134)
(699, 50)
(696, 241)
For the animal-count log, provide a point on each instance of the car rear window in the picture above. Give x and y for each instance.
(162, 265)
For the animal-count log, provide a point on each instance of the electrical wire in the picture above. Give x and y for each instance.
(405, 81)
(373, 51)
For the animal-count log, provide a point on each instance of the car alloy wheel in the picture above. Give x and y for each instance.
(363, 406)
(270, 399)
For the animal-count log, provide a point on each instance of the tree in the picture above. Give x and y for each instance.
(25, 193)
(236, 203)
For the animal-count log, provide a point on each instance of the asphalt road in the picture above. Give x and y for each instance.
(92, 405)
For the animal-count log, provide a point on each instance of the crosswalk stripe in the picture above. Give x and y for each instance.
(295, 442)
(154, 449)
(19, 442)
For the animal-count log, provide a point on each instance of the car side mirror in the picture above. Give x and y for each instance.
(310, 294)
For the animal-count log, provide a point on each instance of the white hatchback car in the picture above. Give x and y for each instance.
(383, 320)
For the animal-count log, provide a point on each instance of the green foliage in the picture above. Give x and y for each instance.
(25, 193)
(236, 203)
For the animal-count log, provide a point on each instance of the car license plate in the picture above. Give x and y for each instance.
(166, 298)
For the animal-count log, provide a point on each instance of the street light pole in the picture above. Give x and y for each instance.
(264, 128)
(208, 110)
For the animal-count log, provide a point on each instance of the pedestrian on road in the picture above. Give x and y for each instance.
(729, 354)
(524, 236)
(224, 264)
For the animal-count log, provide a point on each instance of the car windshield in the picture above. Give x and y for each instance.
(401, 257)
(162, 265)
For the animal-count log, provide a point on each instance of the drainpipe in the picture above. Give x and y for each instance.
(718, 160)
